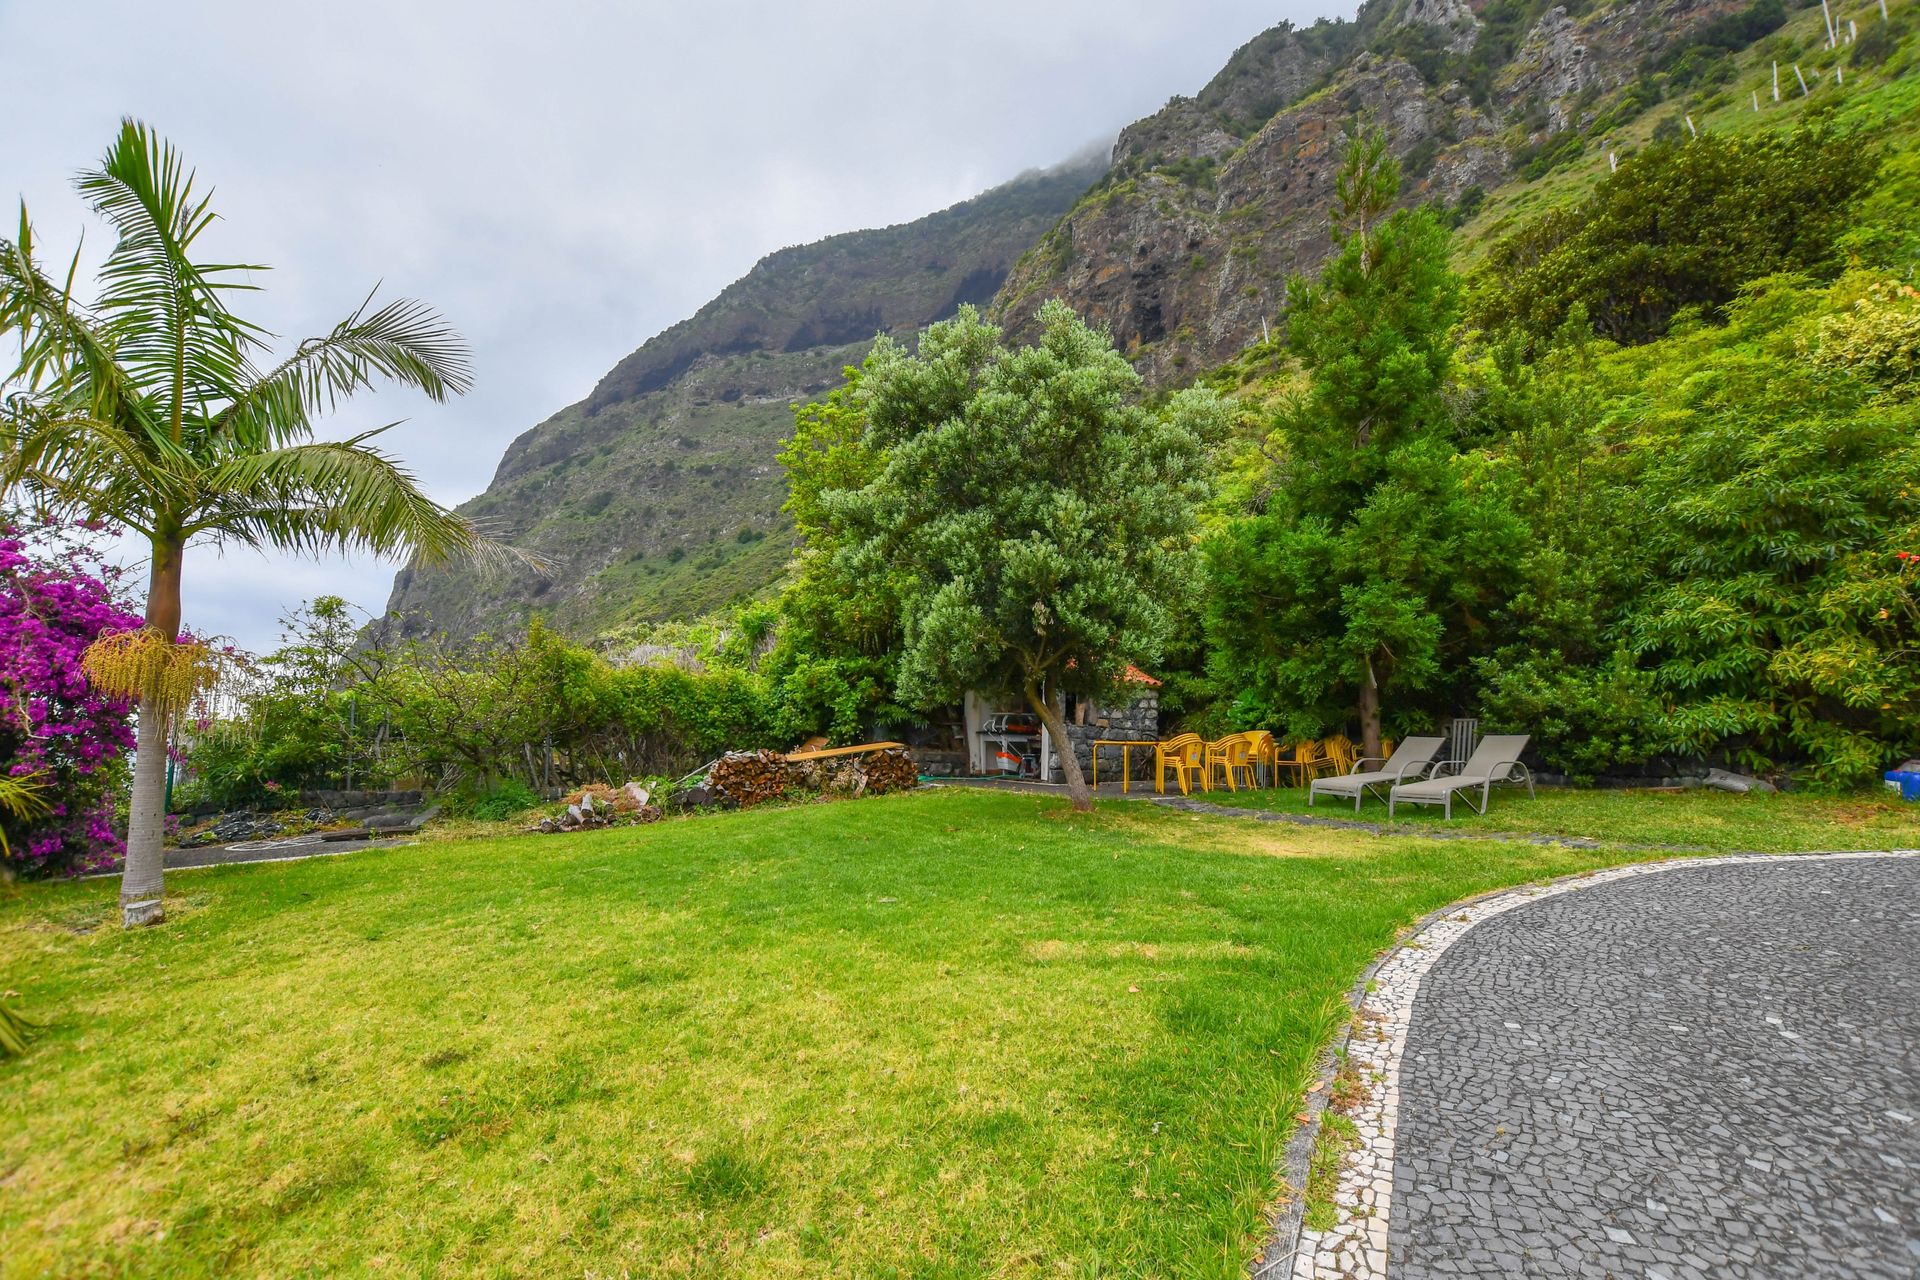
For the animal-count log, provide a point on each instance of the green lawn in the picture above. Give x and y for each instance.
(1698, 818)
(939, 1034)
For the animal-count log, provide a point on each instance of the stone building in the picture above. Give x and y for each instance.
(1136, 720)
(987, 735)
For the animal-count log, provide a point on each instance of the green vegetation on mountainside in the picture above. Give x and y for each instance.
(665, 505)
(663, 501)
(658, 495)
(1879, 93)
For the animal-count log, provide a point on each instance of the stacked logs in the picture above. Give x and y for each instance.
(889, 770)
(747, 778)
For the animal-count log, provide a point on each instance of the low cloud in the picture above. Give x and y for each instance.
(561, 180)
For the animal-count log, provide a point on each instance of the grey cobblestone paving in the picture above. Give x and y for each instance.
(1712, 1071)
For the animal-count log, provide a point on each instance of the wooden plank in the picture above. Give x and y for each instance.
(860, 749)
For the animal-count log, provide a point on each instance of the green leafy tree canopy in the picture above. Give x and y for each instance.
(1044, 517)
(1684, 223)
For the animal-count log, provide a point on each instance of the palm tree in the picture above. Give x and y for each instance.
(158, 410)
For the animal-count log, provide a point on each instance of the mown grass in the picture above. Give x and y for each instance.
(930, 1035)
(1697, 818)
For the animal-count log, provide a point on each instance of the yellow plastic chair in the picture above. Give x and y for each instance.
(1265, 752)
(1309, 761)
(1225, 756)
(1186, 755)
(1339, 754)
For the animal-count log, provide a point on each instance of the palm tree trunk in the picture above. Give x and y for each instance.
(140, 882)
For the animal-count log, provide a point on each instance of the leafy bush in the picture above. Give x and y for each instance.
(1679, 224)
(305, 721)
(484, 721)
(506, 800)
(1470, 202)
(1701, 57)
(1583, 720)
(1776, 491)
(1550, 153)
(1879, 41)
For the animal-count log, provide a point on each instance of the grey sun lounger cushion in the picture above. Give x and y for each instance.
(1496, 759)
(1413, 757)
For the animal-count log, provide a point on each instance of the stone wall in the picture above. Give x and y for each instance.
(360, 799)
(1137, 721)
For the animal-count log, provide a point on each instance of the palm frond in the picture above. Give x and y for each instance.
(82, 466)
(170, 325)
(64, 353)
(15, 1030)
(23, 798)
(404, 340)
(338, 495)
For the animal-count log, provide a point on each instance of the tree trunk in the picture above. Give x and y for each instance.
(1054, 716)
(1370, 714)
(140, 882)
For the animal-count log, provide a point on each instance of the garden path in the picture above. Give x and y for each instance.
(1671, 1071)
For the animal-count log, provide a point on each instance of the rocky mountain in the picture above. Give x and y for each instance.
(659, 495)
(1186, 245)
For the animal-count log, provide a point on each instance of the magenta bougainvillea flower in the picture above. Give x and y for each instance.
(56, 597)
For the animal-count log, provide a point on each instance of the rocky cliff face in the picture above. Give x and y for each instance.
(1186, 246)
(1184, 270)
(659, 494)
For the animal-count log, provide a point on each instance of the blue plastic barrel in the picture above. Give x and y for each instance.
(1905, 782)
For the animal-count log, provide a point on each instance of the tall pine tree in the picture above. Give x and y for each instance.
(1370, 556)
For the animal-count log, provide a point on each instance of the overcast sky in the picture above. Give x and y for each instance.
(563, 180)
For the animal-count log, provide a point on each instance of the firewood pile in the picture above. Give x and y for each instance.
(876, 774)
(603, 806)
(745, 778)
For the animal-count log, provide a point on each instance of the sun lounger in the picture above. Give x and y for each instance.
(1496, 759)
(1409, 761)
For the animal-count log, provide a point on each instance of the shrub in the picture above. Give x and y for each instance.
(305, 721)
(1583, 720)
(56, 598)
(506, 800)
(1679, 224)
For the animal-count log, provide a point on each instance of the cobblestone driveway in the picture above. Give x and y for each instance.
(1711, 1071)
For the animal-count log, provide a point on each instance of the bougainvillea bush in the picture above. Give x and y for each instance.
(56, 598)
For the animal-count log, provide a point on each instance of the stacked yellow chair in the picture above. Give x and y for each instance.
(1227, 756)
(1306, 762)
(1186, 755)
(1339, 753)
(1263, 751)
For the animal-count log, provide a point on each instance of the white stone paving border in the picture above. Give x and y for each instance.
(1356, 1248)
